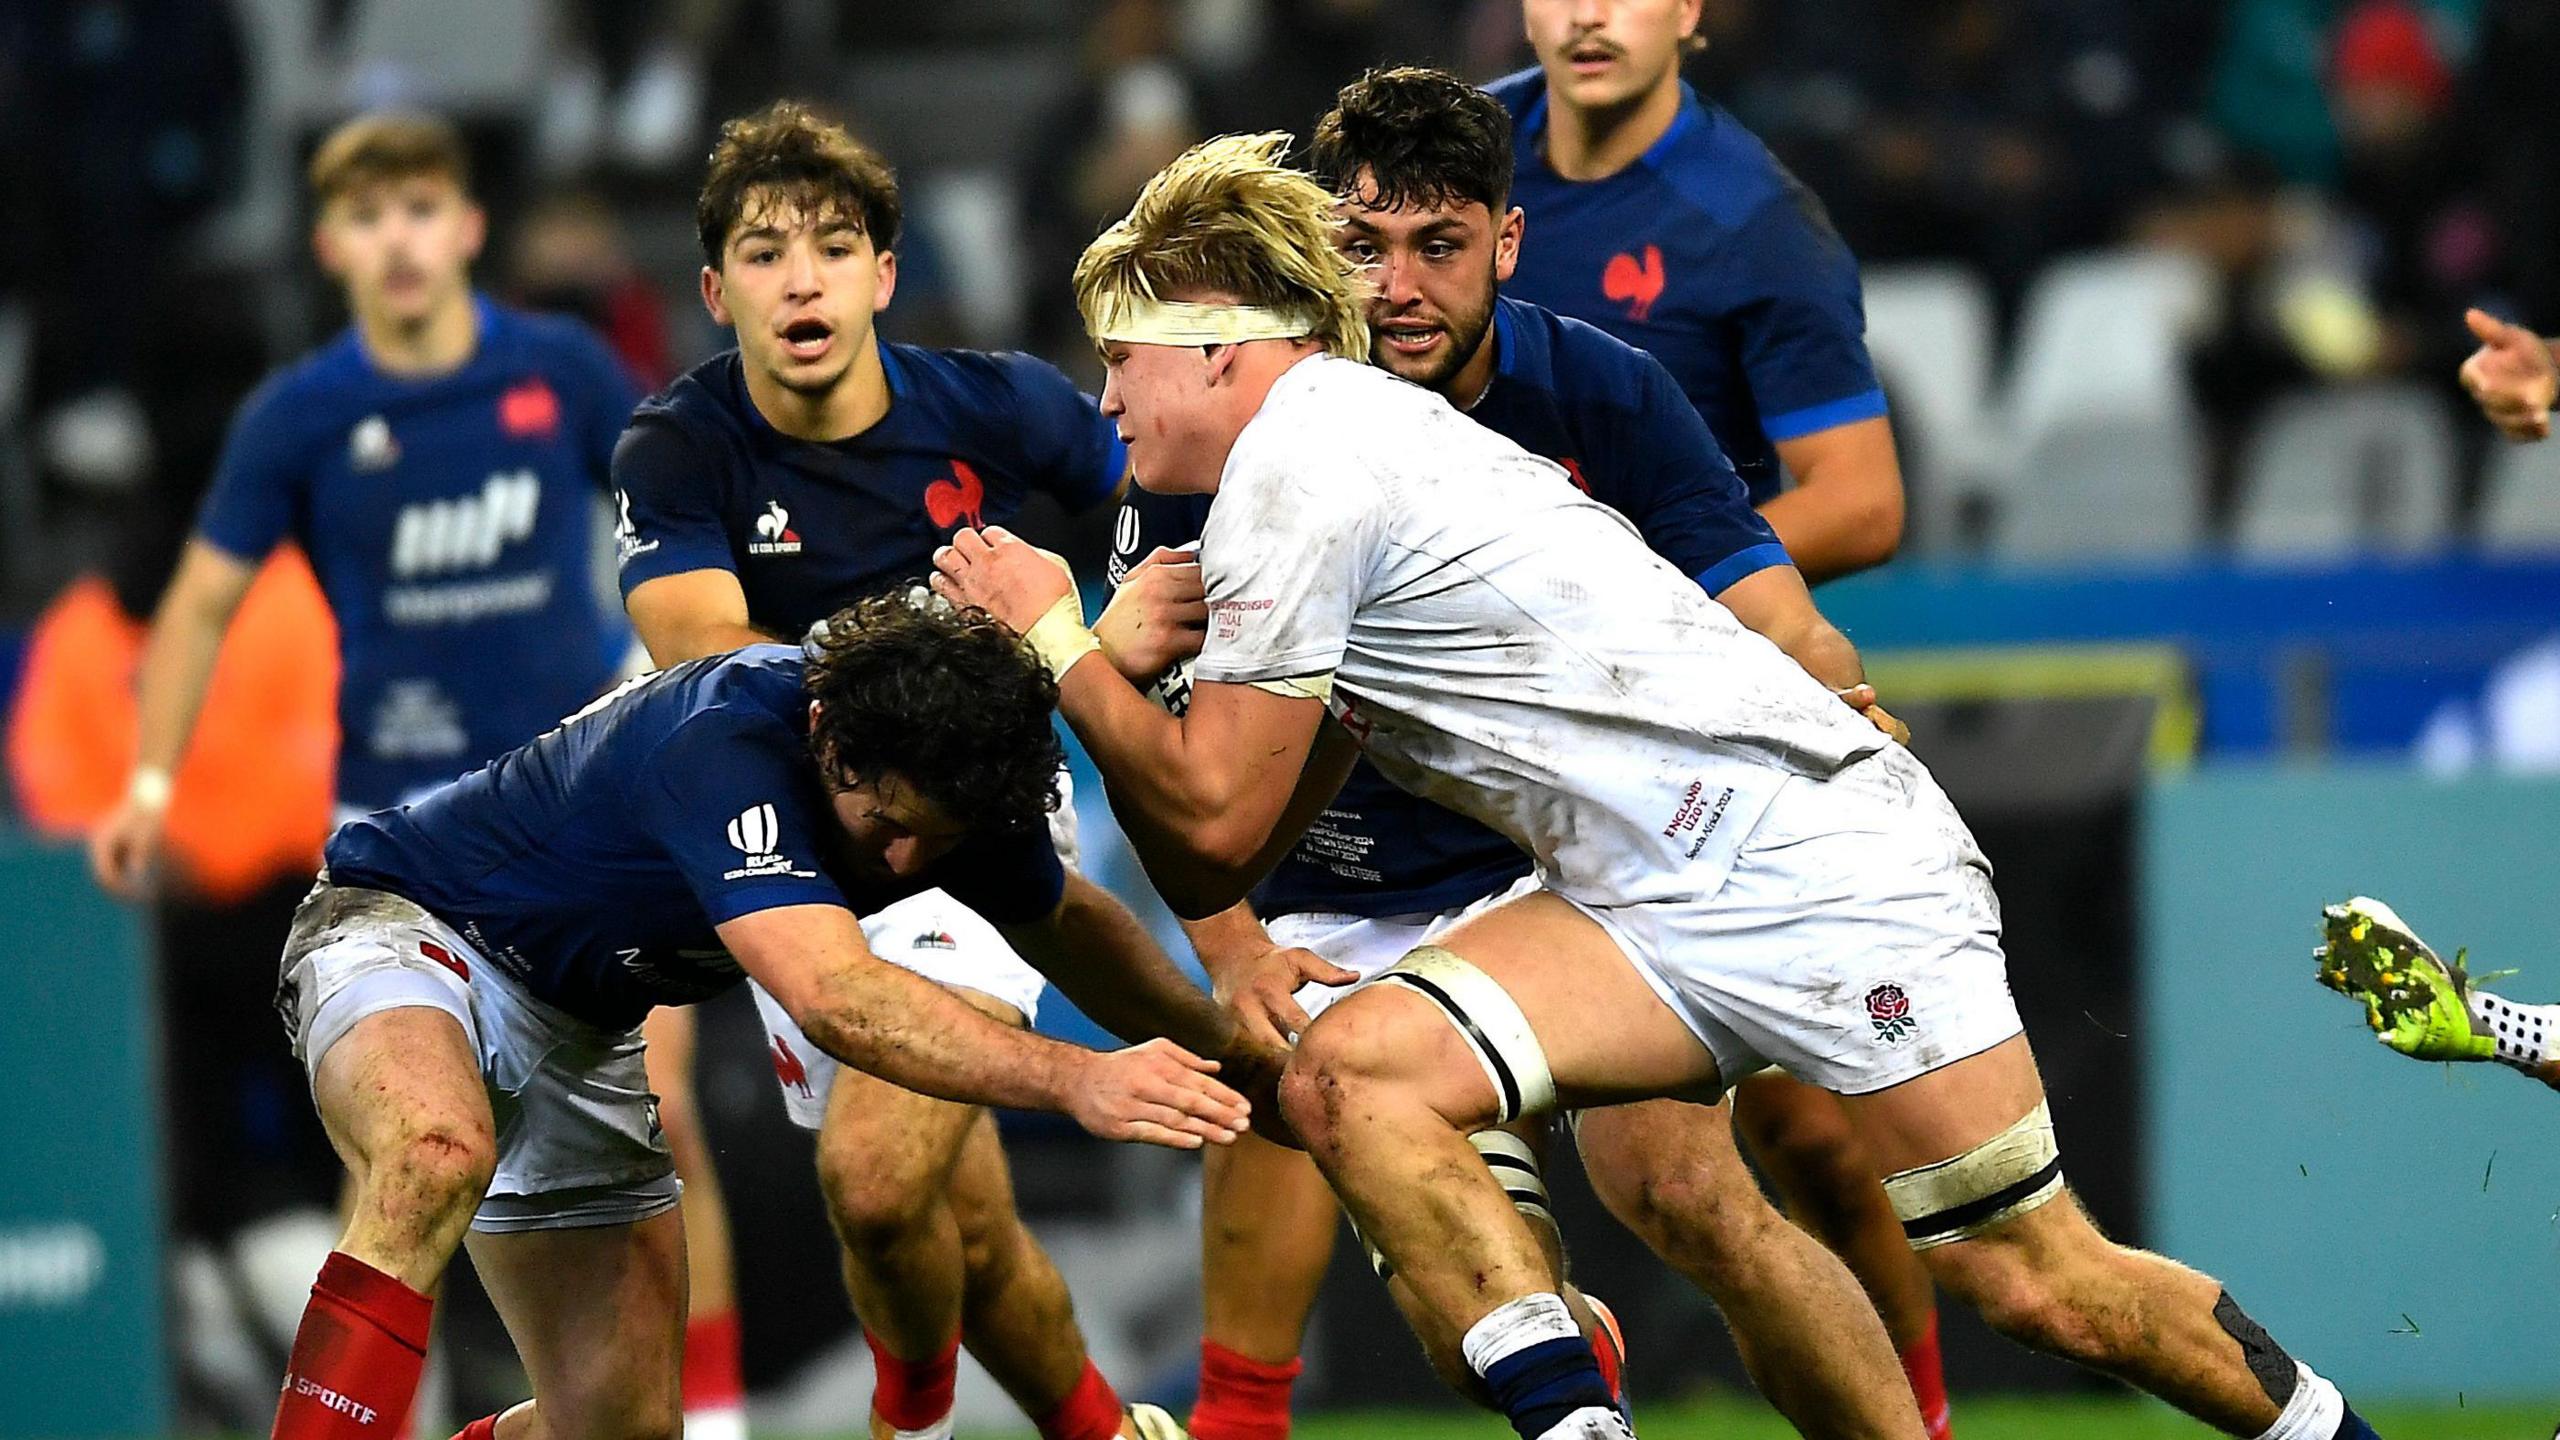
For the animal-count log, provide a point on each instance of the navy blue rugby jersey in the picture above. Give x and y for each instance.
(1619, 425)
(706, 483)
(1707, 253)
(453, 523)
(593, 864)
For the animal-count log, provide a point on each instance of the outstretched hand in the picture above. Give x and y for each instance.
(2512, 376)
(1158, 1094)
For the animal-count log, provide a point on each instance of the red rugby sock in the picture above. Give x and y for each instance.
(714, 1378)
(1091, 1410)
(1928, 1376)
(1242, 1398)
(356, 1358)
(912, 1394)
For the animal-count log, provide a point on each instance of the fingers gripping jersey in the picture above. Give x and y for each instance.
(594, 864)
(1500, 642)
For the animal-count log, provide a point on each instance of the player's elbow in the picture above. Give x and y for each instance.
(1870, 532)
(1217, 868)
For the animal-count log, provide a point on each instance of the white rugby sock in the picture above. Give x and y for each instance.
(2314, 1413)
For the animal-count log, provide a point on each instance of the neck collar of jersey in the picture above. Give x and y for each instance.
(484, 313)
(1533, 125)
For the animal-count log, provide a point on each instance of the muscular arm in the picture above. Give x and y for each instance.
(1098, 953)
(692, 614)
(1213, 799)
(1845, 512)
(1775, 603)
(913, 1033)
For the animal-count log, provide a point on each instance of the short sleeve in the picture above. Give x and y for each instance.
(1802, 325)
(260, 483)
(730, 800)
(606, 396)
(1676, 484)
(1011, 877)
(667, 498)
(1286, 555)
(1069, 451)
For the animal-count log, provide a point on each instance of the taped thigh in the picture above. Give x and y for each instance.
(1489, 1020)
(2005, 1176)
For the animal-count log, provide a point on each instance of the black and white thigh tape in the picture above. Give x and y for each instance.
(2005, 1176)
(1489, 1020)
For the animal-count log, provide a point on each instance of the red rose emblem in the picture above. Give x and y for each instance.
(1889, 1010)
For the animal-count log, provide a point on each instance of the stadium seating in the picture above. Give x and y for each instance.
(2334, 471)
(2520, 499)
(1931, 330)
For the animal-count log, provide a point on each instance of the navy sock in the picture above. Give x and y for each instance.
(1539, 1386)
(2354, 1427)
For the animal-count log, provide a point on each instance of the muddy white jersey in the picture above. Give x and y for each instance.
(1500, 642)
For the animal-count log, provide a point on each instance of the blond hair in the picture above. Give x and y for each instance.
(1228, 218)
(386, 146)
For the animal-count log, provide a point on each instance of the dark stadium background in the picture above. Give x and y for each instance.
(2218, 599)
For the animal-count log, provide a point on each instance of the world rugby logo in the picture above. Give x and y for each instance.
(755, 831)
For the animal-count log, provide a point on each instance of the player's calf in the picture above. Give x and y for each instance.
(1384, 1089)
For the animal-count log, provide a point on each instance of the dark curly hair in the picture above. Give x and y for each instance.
(950, 701)
(786, 161)
(1426, 137)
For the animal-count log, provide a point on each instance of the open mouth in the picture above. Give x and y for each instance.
(807, 339)
(1411, 339)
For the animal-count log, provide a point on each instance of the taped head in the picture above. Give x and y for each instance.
(1225, 245)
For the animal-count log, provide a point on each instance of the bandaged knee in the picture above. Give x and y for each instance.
(1996, 1181)
(1491, 1023)
(1514, 1163)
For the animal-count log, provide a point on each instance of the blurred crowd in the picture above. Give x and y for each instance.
(2351, 173)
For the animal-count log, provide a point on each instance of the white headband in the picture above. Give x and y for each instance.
(1138, 320)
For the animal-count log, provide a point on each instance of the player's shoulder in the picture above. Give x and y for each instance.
(707, 403)
(1716, 167)
(969, 384)
(756, 690)
(563, 347)
(1563, 355)
(321, 392)
(1519, 92)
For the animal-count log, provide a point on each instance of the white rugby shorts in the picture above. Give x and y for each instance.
(578, 1138)
(931, 934)
(1856, 943)
(1368, 944)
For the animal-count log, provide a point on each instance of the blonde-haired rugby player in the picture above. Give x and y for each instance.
(1736, 868)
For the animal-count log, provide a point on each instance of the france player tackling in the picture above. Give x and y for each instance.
(1733, 868)
(466, 983)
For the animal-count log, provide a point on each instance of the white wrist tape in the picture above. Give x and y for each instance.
(1059, 636)
(150, 788)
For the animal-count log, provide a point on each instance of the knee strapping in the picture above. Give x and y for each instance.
(2005, 1176)
(1514, 1163)
(1489, 1020)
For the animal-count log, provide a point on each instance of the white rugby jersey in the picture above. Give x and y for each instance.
(1500, 642)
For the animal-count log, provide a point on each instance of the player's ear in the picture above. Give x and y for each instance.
(1219, 359)
(324, 248)
(711, 296)
(1506, 243)
(475, 230)
(888, 263)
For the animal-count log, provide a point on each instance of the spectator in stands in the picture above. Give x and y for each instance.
(569, 257)
(1137, 107)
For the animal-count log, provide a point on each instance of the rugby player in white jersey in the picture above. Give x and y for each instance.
(1735, 868)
